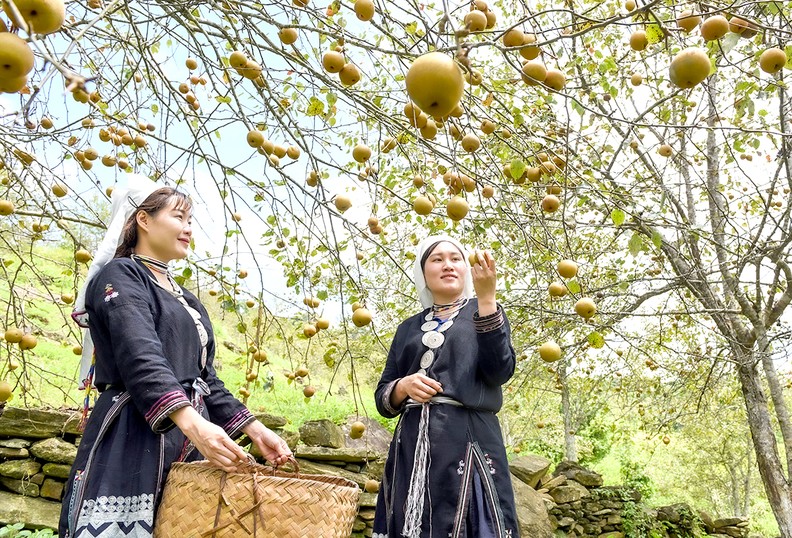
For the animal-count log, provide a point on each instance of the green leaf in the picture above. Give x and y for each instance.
(788, 51)
(315, 107)
(596, 340)
(636, 244)
(654, 34)
(657, 239)
(573, 286)
(221, 99)
(729, 41)
(517, 168)
(617, 216)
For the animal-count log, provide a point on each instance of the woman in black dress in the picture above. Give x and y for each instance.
(160, 399)
(447, 473)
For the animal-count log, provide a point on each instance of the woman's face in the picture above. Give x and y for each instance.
(167, 233)
(445, 272)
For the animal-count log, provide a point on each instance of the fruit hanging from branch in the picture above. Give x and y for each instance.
(435, 84)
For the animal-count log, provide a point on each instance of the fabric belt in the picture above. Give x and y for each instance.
(435, 400)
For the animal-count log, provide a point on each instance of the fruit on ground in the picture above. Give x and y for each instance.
(435, 83)
(585, 308)
(42, 16)
(457, 208)
(567, 268)
(16, 58)
(361, 317)
(357, 429)
(772, 60)
(714, 27)
(689, 67)
(550, 351)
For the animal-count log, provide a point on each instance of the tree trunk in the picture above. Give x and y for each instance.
(747, 478)
(570, 440)
(778, 489)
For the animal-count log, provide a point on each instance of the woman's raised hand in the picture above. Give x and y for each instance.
(485, 278)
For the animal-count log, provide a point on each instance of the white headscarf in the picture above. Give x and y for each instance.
(424, 294)
(125, 200)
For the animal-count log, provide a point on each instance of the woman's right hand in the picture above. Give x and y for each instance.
(416, 386)
(209, 439)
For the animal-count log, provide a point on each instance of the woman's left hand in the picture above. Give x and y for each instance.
(271, 445)
(485, 277)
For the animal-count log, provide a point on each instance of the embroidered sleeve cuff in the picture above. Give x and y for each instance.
(489, 323)
(235, 425)
(158, 414)
(386, 399)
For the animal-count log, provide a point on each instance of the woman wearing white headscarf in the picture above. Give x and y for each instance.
(447, 473)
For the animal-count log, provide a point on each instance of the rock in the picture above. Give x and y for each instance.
(358, 525)
(531, 511)
(368, 500)
(23, 487)
(529, 468)
(672, 513)
(19, 468)
(56, 470)
(709, 523)
(726, 522)
(322, 433)
(37, 423)
(579, 474)
(566, 521)
(15, 443)
(54, 450)
(376, 437)
(35, 513)
(37, 479)
(13, 453)
(346, 455)
(554, 482)
(366, 514)
(271, 421)
(611, 535)
(569, 492)
(52, 489)
(734, 532)
(311, 467)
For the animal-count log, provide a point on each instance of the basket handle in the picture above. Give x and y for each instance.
(252, 464)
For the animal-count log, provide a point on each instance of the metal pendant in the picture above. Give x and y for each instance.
(429, 326)
(422, 371)
(433, 339)
(427, 358)
(445, 326)
(429, 316)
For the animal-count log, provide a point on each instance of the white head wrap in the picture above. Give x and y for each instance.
(125, 200)
(424, 294)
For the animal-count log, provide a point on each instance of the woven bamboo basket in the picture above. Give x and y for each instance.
(202, 501)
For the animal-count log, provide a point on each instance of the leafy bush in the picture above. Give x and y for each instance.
(19, 530)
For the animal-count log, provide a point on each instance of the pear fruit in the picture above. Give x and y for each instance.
(567, 268)
(288, 36)
(16, 58)
(550, 351)
(39, 16)
(688, 21)
(364, 10)
(361, 153)
(357, 429)
(550, 203)
(361, 317)
(435, 84)
(333, 61)
(422, 205)
(689, 67)
(457, 208)
(638, 40)
(714, 27)
(349, 74)
(772, 60)
(557, 289)
(585, 308)
(342, 202)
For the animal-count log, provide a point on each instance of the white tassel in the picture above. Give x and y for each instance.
(414, 508)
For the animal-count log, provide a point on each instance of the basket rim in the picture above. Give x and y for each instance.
(268, 472)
